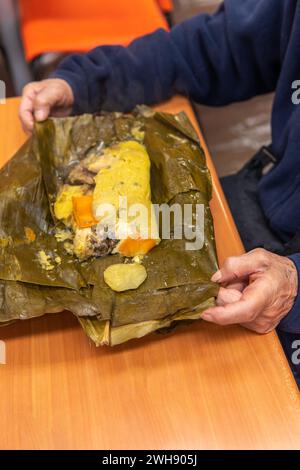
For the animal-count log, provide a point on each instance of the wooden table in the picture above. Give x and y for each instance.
(204, 387)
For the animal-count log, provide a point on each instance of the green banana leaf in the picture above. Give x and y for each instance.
(178, 285)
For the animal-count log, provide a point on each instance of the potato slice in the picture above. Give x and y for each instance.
(121, 277)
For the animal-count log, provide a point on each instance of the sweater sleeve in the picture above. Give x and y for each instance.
(291, 323)
(226, 57)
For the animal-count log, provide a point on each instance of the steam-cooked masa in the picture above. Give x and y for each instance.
(128, 175)
(63, 206)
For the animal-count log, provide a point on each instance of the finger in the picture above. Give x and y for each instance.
(26, 110)
(43, 103)
(237, 267)
(252, 302)
(236, 285)
(227, 296)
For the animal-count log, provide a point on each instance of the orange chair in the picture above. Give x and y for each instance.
(166, 5)
(74, 25)
(36, 34)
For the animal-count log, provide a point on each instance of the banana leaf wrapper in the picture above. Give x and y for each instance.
(178, 285)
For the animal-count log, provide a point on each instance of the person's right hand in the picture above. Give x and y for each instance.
(41, 99)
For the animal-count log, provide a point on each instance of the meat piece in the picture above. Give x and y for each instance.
(95, 163)
(87, 244)
(104, 247)
(80, 175)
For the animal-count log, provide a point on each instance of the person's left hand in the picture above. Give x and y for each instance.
(258, 291)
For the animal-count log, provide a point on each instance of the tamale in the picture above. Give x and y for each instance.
(39, 272)
(94, 211)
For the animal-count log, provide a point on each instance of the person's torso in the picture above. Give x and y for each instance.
(280, 188)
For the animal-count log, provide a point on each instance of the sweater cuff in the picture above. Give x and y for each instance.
(291, 323)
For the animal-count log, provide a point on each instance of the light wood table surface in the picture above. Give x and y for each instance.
(202, 387)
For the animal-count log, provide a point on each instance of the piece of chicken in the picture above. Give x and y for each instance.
(95, 163)
(84, 172)
(80, 175)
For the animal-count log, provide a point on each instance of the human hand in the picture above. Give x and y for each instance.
(258, 290)
(41, 99)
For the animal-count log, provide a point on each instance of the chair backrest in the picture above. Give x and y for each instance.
(76, 9)
(165, 5)
(76, 25)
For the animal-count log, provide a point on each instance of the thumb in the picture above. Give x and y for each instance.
(238, 267)
(43, 102)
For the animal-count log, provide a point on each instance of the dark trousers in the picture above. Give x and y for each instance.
(241, 191)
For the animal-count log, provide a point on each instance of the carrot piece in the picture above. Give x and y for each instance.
(131, 247)
(83, 212)
(30, 235)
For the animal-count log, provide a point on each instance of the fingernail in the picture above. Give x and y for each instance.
(40, 115)
(217, 276)
(206, 317)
